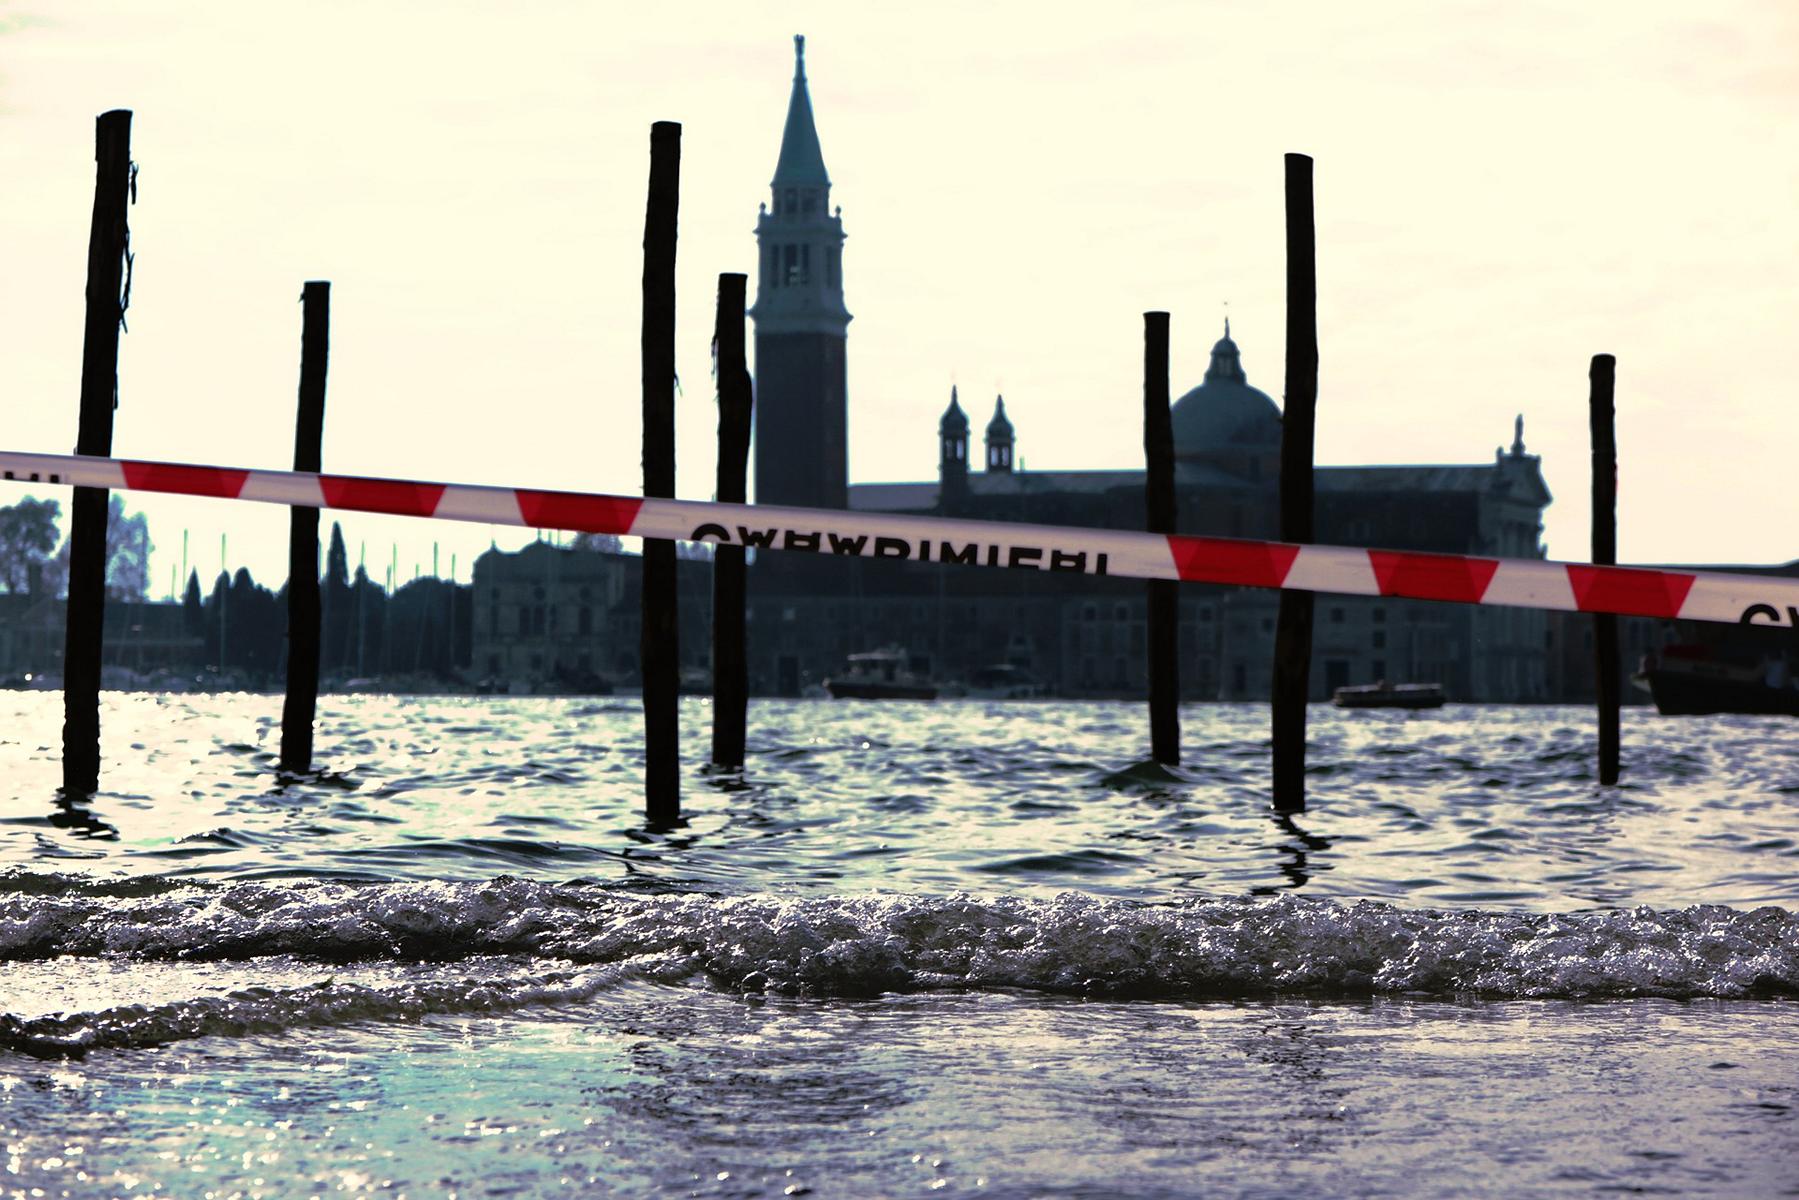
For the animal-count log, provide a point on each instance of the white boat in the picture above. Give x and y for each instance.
(879, 675)
(1386, 695)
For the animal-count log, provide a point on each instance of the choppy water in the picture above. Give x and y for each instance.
(916, 948)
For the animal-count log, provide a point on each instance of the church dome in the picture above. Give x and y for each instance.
(1224, 411)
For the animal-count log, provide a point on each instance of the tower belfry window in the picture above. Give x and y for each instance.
(808, 201)
(796, 265)
(787, 201)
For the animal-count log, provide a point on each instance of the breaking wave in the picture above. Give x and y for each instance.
(563, 941)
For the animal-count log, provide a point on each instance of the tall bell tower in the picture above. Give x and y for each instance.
(802, 382)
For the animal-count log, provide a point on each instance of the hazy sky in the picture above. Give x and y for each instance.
(1503, 190)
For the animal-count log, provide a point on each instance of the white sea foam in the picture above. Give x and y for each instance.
(861, 945)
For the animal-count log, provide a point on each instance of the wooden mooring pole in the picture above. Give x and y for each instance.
(107, 247)
(301, 703)
(1293, 629)
(1164, 597)
(658, 647)
(730, 668)
(1601, 378)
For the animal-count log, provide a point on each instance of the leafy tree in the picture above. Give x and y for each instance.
(128, 549)
(193, 610)
(337, 605)
(27, 539)
(369, 608)
(218, 622)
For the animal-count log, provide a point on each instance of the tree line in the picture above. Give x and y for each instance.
(424, 628)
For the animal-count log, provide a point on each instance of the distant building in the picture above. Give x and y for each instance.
(141, 639)
(549, 618)
(1081, 635)
(802, 384)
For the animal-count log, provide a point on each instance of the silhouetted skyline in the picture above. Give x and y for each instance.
(1498, 199)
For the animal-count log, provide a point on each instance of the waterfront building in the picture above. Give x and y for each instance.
(1081, 635)
(552, 618)
(802, 326)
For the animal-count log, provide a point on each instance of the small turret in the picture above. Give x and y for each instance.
(952, 455)
(999, 439)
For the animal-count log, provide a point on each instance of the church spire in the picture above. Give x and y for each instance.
(802, 383)
(802, 162)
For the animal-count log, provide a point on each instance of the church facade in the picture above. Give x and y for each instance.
(546, 618)
(1077, 634)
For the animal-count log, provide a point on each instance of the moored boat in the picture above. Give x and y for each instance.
(879, 675)
(1688, 680)
(1004, 681)
(1386, 695)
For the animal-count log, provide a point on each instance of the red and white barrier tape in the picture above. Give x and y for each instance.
(1526, 583)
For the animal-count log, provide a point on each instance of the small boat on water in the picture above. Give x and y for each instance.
(1697, 680)
(1386, 695)
(1004, 681)
(879, 675)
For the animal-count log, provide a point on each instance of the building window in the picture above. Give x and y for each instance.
(808, 201)
(788, 200)
(1380, 641)
(1336, 616)
(524, 621)
(1380, 615)
(586, 619)
(1380, 669)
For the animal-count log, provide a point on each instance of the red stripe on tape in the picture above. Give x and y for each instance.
(567, 510)
(1432, 576)
(381, 495)
(1626, 590)
(1220, 560)
(222, 482)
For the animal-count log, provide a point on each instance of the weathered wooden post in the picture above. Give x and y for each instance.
(730, 670)
(659, 650)
(107, 247)
(1293, 631)
(301, 704)
(1164, 596)
(1601, 378)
